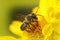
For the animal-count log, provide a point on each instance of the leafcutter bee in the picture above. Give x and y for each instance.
(30, 24)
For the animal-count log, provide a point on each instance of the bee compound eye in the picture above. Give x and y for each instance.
(34, 16)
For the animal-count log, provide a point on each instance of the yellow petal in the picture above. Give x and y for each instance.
(7, 38)
(15, 29)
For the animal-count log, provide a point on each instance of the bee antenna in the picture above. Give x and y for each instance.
(37, 10)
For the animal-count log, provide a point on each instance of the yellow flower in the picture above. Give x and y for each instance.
(49, 21)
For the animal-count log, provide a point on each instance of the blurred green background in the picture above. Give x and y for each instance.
(8, 11)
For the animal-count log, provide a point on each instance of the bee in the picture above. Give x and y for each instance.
(31, 24)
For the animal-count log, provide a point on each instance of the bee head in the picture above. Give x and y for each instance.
(31, 17)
